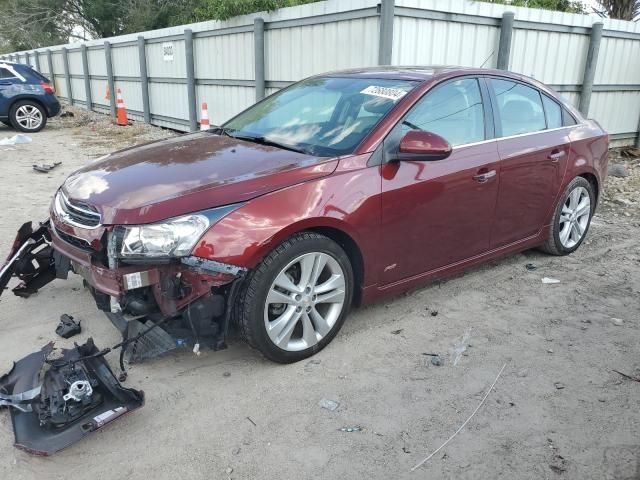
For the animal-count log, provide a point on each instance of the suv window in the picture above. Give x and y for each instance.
(553, 112)
(452, 110)
(5, 73)
(519, 108)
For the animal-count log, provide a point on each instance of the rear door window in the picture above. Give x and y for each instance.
(453, 110)
(553, 112)
(519, 108)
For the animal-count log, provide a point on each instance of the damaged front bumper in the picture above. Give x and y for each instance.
(55, 402)
(192, 296)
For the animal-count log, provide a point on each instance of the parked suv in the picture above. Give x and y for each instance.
(26, 98)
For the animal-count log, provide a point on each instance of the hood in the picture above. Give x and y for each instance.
(185, 174)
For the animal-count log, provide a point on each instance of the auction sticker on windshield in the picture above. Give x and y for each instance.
(394, 94)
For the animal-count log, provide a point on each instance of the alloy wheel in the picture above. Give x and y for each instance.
(29, 117)
(305, 301)
(574, 217)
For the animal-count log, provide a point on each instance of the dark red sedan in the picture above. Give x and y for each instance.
(335, 191)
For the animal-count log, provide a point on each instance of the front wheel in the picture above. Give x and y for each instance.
(571, 218)
(294, 303)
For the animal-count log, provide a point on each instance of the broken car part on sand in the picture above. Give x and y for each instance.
(57, 398)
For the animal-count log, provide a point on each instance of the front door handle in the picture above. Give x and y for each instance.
(485, 176)
(556, 155)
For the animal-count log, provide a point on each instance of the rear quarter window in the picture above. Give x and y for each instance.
(567, 119)
(553, 112)
(31, 75)
(5, 74)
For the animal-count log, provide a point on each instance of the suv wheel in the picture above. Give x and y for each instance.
(27, 116)
(294, 303)
(571, 218)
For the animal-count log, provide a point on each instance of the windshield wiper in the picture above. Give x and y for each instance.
(221, 131)
(265, 141)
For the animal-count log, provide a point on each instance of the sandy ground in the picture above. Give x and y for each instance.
(195, 423)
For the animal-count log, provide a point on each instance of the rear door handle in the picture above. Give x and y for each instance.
(485, 176)
(556, 155)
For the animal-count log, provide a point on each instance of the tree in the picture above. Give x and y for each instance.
(225, 9)
(571, 6)
(622, 9)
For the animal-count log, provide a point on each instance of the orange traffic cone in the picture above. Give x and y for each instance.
(204, 117)
(107, 95)
(121, 116)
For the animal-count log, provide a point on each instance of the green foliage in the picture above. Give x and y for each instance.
(570, 6)
(38, 23)
(225, 9)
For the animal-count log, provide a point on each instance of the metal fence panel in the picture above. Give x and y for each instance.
(166, 66)
(617, 112)
(224, 101)
(336, 34)
(224, 56)
(97, 65)
(125, 60)
(421, 41)
(298, 52)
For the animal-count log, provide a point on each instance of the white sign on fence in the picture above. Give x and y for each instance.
(167, 51)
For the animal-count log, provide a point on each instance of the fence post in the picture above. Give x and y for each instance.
(385, 45)
(590, 68)
(504, 46)
(144, 79)
(26, 58)
(87, 78)
(191, 79)
(37, 56)
(65, 58)
(52, 75)
(110, 80)
(258, 42)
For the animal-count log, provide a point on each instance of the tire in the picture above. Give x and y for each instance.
(27, 116)
(572, 203)
(262, 321)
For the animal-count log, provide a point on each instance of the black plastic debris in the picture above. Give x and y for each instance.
(57, 397)
(68, 327)
(46, 167)
(33, 261)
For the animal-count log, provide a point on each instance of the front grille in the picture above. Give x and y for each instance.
(83, 216)
(75, 241)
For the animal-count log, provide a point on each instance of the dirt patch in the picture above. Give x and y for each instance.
(557, 411)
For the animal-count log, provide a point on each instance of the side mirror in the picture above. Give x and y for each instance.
(426, 146)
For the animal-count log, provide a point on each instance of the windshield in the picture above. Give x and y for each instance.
(321, 116)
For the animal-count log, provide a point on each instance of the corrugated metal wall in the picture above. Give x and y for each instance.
(336, 34)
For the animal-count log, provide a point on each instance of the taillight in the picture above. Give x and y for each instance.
(48, 88)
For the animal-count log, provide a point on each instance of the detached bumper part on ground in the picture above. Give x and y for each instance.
(57, 398)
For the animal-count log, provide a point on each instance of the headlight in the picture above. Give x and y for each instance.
(173, 238)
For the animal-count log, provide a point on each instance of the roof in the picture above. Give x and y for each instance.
(420, 73)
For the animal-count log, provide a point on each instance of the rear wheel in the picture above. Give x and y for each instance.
(294, 303)
(571, 218)
(27, 116)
